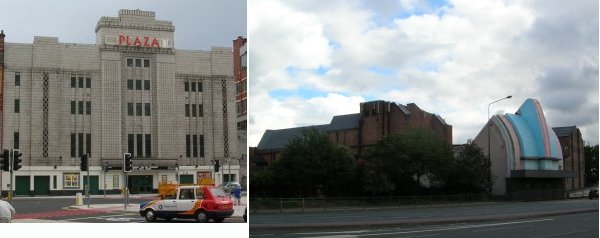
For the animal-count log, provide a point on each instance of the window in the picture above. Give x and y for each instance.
(54, 178)
(17, 78)
(80, 144)
(17, 105)
(146, 84)
(73, 107)
(193, 110)
(88, 107)
(146, 63)
(130, 144)
(73, 144)
(187, 146)
(148, 145)
(186, 194)
(140, 152)
(73, 81)
(71, 180)
(195, 145)
(130, 109)
(187, 110)
(138, 84)
(138, 109)
(115, 181)
(193, 86)
(200, 110)
(88, 143)
(80, 107)
(138, 62)
(147, 109)
(243, 61)
(16, 140)
(186, 86)
(163, 178)
(129, 62)
(202, 146)
(130, 84)
(88, 82)
(80, 81)
(199, 86)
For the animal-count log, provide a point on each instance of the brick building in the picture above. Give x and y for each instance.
(356, 131)
(131, 91)
(240, 65)
(573, 149)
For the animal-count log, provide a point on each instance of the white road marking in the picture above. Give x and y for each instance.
(96, 217)
(503, 228)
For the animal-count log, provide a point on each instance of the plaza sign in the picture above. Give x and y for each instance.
(144, 41)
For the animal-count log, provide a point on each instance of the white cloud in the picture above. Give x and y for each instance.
(452, 63)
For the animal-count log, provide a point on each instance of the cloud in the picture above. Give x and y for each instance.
(450, 58)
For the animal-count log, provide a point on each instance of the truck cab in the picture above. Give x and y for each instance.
(190, 202)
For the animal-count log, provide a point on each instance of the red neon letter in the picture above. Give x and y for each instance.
(137, 41)
(146, 41)
(155, 43)
(121, 39)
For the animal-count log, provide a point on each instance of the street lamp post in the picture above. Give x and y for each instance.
(489, 138)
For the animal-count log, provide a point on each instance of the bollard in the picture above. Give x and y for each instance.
(78, 199)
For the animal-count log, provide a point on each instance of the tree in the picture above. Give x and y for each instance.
(405, 159)
(312, 165)
(468, 173)
(591, 165)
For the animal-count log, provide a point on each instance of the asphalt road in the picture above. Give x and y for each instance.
(571, 226)
(419, 216)
(48, 204)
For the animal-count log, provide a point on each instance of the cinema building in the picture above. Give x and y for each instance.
(130, 92)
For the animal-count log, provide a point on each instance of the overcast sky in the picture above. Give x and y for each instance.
(313, 59)
(199, 24)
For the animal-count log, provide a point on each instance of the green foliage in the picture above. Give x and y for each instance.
(469, 173)
(591, 165)
(311, 165)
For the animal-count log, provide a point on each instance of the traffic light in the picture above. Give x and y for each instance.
(84, 163)
(16, 159)
(217, 166)
(127, 162)
(5, 162)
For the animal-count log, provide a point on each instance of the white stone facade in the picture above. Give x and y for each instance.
(47, 126)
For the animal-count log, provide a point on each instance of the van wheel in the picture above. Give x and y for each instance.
(201, 216)
(150, 216)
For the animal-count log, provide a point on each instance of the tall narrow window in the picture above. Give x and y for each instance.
(202, 146)
(187, 146)
(88, 82)
(193, 86)
(147, 109)
(130, 144)
(146, 84)
(16, 140)
(17, 105)
(73, 107)
(129, 62)
(73, 145)
(187, 110)
(17, 78)
(130, 84)
(193, 110)
(130, 109)
(80, 81)
(80, 107)
(200, 110)
(186, 86)
(88, 143)
(146, 63)
(88, 107)
(195, 145)
(73, 81)
(148, 145)
(138, 109)
(80, 144)
(138, 84)
(199, 86)
(138, 62)
(139, 142)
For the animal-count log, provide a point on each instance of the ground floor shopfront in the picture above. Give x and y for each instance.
(69, 180)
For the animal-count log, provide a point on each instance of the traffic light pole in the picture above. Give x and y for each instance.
(10, 191)
(87, 191)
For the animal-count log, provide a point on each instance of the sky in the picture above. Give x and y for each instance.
(310, 60)
(199, 24)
